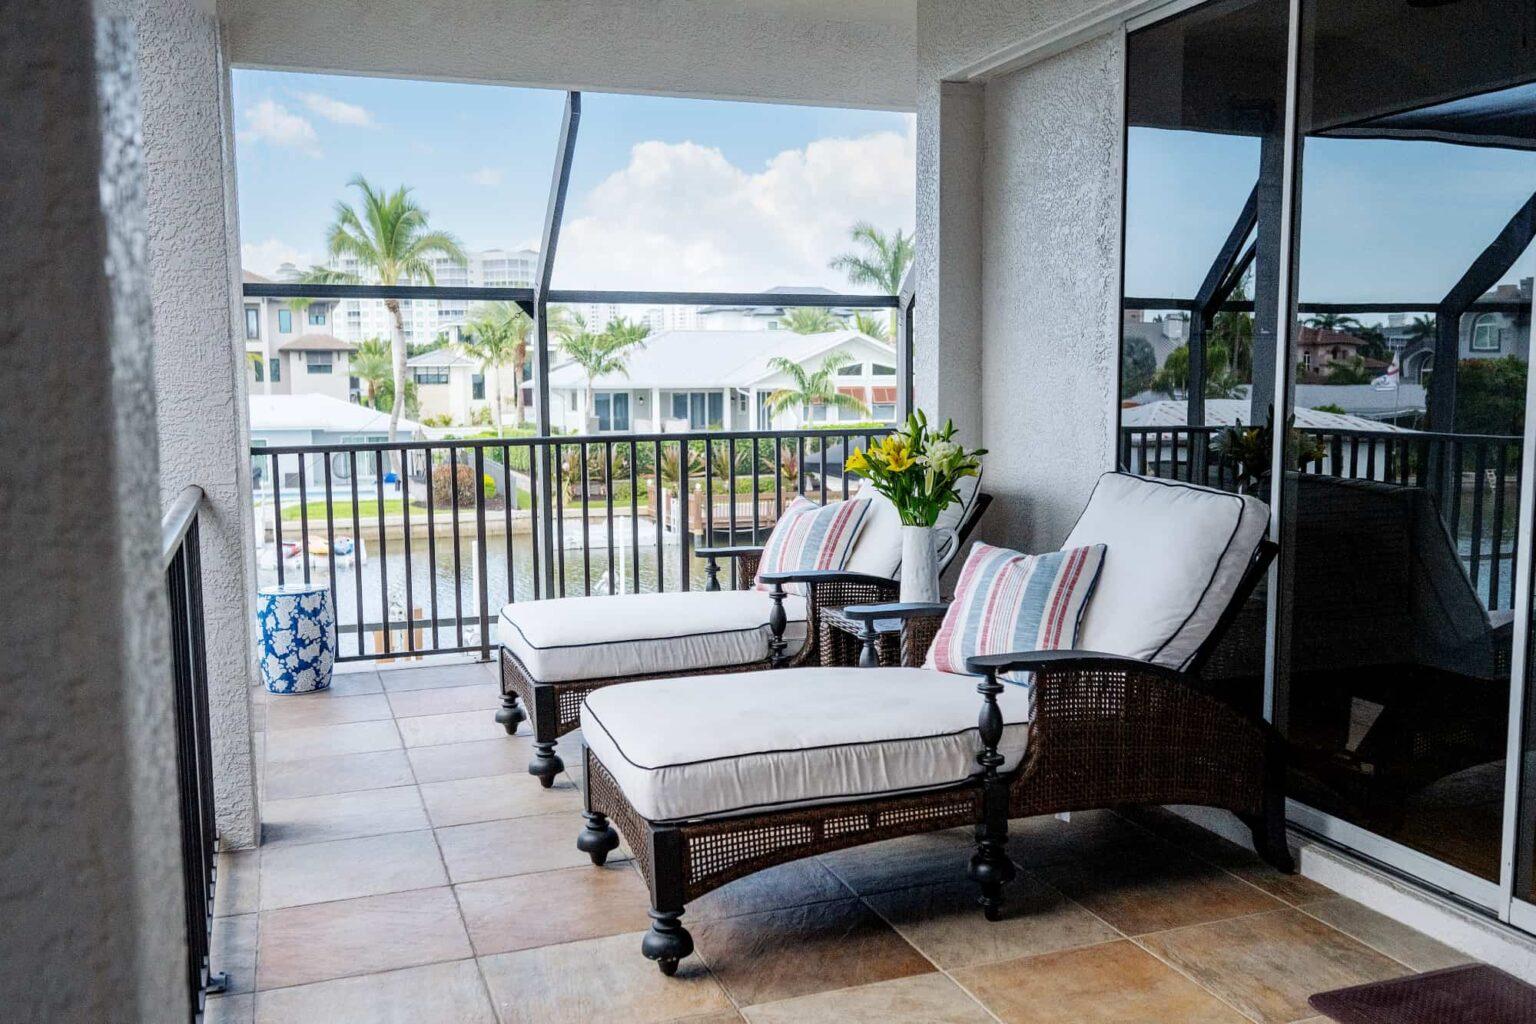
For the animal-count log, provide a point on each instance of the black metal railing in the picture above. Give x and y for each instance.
(181, 558)
(423, 541)
(1476, 478)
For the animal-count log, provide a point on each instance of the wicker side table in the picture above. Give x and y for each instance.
(846, 643)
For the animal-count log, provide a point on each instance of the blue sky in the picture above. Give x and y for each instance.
(664, 192)
(1382, 221)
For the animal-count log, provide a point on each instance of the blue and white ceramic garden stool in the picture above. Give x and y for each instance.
(298, 637)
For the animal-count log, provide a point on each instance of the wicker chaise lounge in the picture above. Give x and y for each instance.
(553, 653)
(732, 778)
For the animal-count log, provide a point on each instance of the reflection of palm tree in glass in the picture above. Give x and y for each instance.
(810, 320)
(883, 263)
(1341, 322)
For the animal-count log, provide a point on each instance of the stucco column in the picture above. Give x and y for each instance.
(200, 357)
(93, 924)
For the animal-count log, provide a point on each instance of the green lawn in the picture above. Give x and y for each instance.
(342, 510)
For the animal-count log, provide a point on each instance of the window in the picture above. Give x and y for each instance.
(256, 369)
(319, 362)
(477, 387)
(317, 314)
(1487, 334)
(852, 370)
(881, 370)
(884, 412)
(285, 321)
(612, 411)
(704, 410)
(276, 366)
(432, 375)
(252, 323)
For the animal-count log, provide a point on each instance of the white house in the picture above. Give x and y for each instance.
(702, 380)
(450, 383)
(294, 351)
(280, 421)
(760, 318)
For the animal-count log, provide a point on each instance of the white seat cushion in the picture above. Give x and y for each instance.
(704, 746)
(1176, 555)
(572, 638)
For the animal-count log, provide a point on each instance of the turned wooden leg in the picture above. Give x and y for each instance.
(869, 652)
(778, 622)
(546, 764)
(990, 867)
(510, 714)
(668, 941)
(598, 839)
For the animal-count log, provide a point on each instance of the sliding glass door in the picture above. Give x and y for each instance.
(1329, 225)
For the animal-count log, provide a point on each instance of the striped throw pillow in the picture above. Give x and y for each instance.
(812, 536)
(1006, 601)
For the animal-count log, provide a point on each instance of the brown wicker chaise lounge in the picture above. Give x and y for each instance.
(739, 778)
(553, 653)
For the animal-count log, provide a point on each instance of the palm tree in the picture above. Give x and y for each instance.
(810, 320)
(1422, 329)
(883, 263)
(389, 237)
(371, 365)
(498, 335)
(808, 389)
(599, 353)
(1333, 322)
(870, 326)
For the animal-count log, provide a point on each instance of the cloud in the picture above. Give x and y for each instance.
(265, 257)
(271, 122)
(680, 216)
(487, 176)
(337, 111)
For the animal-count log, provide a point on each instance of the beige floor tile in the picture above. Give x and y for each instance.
(292, 876)
(1114, 983)
(944, 923)
(303, 710)
(375, 933)
(514, 846)
(450, 993)
(1381, 933)
(506, 914)
(930, 998)
(1046, 839)
(232, 950)
(603, 979)
(348, 683)
(446, 700)
(788, 885)
(780, 954)
(488, 797)
(1267, 964)
(900, 863)
(237, 883)
(319, 819)
(718, 1017)
(230, 1009)
(1152, 894)
(1239, 860)
(507, 755)
(329, 740)
(467, 673)
(463, 727)
(343, 773)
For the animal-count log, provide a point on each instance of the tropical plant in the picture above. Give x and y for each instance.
(671, 466)
(870, 326)
(452, 488)
(815, 388)
(917, 468)
(1247, 450)
(1423, 328)
(810, 320)
(498, 334)
(599, 353)
(384, 397)
(1138, 367)
(1350, 371)
(1490, 396)
(883, 261)
(1220, 381)
(1341, 322)
(389, 237)
(371, 365)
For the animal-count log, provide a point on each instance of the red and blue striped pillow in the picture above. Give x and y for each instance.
(1006, 601)
(812, 536)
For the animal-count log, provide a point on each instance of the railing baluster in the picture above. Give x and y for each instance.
(613, 570)
(684, 525)
(536, 458)
(842, 470)
(821, 465)
(799, 467)
(1455, 452)
(330, 547)
(1500, 469)
(303, 518)
(1514, 543)
(634, 516)
(378, 479)
(661, 517)
(757, 466)
(277, 517)
(483, 593)
(1480, 467)
(458, 572)
(357, 560)
(1370, 458)
(557, 489)
(508, 501)
(406, 543)
(586, 535)
(709, 492)
(437, 640)
(730, 470)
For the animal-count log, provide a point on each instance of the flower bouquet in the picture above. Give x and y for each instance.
(917, 469)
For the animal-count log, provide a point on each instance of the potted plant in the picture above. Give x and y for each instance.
(1247, 451)
(917, 469)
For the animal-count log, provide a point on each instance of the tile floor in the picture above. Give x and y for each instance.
(411, 871)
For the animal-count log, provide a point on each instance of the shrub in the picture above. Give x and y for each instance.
(443, 486)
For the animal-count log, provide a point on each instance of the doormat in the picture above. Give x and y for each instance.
(1473, 994)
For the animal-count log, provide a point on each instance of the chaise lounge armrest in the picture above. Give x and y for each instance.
(875, 612)
(729, 552)
(815, 576)
(1066, 660)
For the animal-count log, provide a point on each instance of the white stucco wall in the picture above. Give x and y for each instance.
(93, 921)
(857, 54)
(1017, 268)
(199, 357)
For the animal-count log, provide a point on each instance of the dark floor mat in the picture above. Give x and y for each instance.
(1475, 994)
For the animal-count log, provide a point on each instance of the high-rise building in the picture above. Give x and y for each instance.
(425, 319)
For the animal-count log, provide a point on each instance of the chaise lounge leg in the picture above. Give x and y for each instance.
(668, 941)
(510, 714)
(990, 867)
(546, 764)
(1268, 826)
(598, 839)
